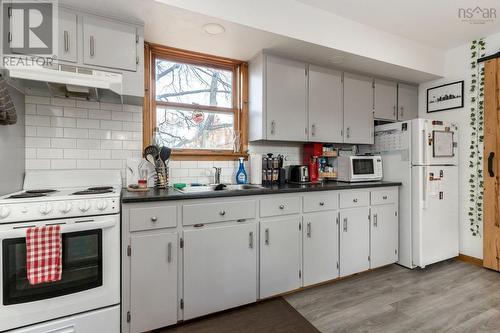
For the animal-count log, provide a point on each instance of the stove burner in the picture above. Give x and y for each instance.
(41, 191)
(27, 195)
(89, 191)
(100, 188)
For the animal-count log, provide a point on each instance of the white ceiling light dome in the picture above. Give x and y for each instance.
(214, 29)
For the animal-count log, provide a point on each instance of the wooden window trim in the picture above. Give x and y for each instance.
(239, 99)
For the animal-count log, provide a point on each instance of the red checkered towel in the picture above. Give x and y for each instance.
(44, 254)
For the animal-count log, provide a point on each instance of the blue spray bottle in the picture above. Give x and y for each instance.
(241, 175)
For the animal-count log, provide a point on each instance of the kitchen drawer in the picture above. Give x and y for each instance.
(218, 212)
(278, 205)
(385, 196)
(353, 199)
(156, 217)
(315, 202)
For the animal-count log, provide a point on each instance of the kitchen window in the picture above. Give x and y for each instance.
(195, 104)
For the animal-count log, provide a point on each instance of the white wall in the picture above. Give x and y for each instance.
(457, 68)
(12, 149)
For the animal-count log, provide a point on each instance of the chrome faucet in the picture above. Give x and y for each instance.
(217, 175)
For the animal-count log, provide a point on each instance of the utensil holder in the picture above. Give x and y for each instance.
(161, 178)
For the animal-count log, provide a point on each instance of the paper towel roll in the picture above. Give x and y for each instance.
(255, 169)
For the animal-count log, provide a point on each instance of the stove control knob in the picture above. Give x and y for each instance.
(84, 206)
(102, 205)
(4, 212)
(65, 207)
(45, 208)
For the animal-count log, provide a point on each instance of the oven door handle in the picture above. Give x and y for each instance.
(74, 226)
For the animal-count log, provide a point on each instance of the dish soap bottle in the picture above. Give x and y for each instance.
(241, 175)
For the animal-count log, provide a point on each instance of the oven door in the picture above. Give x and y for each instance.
(362, 168)
(90, 272)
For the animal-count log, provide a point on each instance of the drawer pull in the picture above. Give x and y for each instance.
(169, 252)
(266, 236)
(154, 219)
(250, 239)
(321, 203)
(198, 225)
(375, 220)
(384, 197)
(355, 200)
(282, 207)
(345, 224)
(222, 213)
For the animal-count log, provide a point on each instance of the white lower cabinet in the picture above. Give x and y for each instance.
(220, 268)
(354, 240)
(384, 235)
(320, 247)
(280, 255)
(153, 281)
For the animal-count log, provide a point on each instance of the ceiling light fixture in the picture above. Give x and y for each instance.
(213, 29)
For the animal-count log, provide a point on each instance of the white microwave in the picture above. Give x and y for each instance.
(359, 168)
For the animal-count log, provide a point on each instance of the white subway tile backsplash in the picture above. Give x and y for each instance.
(122, 116)
(30, 109)
(111, 144)
(98, 154)
(87, 164)
(132, 126)
(99, 134)
(121, 154)
(87, 104)
(62, 122)
(76, 154)
(34, 142)
(34, 164)
(122, 135)
(132, 145)
(37, 120)
(63, 143)
(137, 117)
(76, 113)
(50, 132)
(111, 164)
(63, 164)
(111, 124)
(88, 143)
(87, 123)
(132, 108)
(30, 153)
(30, 130)
(100, 114)
(49, 153)
(111, 106)
(49, 110)
(78, 133)
(63, 102)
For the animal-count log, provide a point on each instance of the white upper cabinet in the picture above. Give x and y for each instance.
(325, 105)
(67, 36)
(386, 99)
(407, 102)
(109, 43)
(286, 99)
(358, 109)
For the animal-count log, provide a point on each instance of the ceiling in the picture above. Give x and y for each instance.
(180, 28)
(432, 22)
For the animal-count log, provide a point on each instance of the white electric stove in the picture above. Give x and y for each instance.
(86, 204)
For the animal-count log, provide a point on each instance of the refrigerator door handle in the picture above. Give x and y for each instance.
(491, 157)
(424, 148)
(424, 188)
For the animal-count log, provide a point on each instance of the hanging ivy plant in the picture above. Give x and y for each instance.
(476, 94)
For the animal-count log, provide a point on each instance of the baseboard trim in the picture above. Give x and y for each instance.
(470, 260)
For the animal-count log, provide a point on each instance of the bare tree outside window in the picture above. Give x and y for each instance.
(188, 85)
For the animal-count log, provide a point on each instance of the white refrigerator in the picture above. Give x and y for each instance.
(423, 155)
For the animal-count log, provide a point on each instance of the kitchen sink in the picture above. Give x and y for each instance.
(216, 188)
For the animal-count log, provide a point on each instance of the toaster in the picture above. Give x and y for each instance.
(298, 174)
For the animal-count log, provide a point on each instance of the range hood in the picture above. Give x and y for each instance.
(69, 81)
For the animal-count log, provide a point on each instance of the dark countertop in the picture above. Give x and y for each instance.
(172, 194)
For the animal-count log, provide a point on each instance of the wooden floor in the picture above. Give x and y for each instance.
(451, 296)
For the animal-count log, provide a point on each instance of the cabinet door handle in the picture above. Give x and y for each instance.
(281, 207)
(273, 127)
(250, 239)
(345, 224)
(355, 200)
(321, 203)
(491, 157)
(401, 113)
(222, 212)
(66, 41)
(92, 46)
(154, 219)
(348, 132)
(394, 110)
(266, 236)
(309, 229)
(375, 220)
(384, 197)
(313, 129)
(169, 252)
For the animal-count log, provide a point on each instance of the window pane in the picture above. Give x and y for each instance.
(188, 129)
(185, 83)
